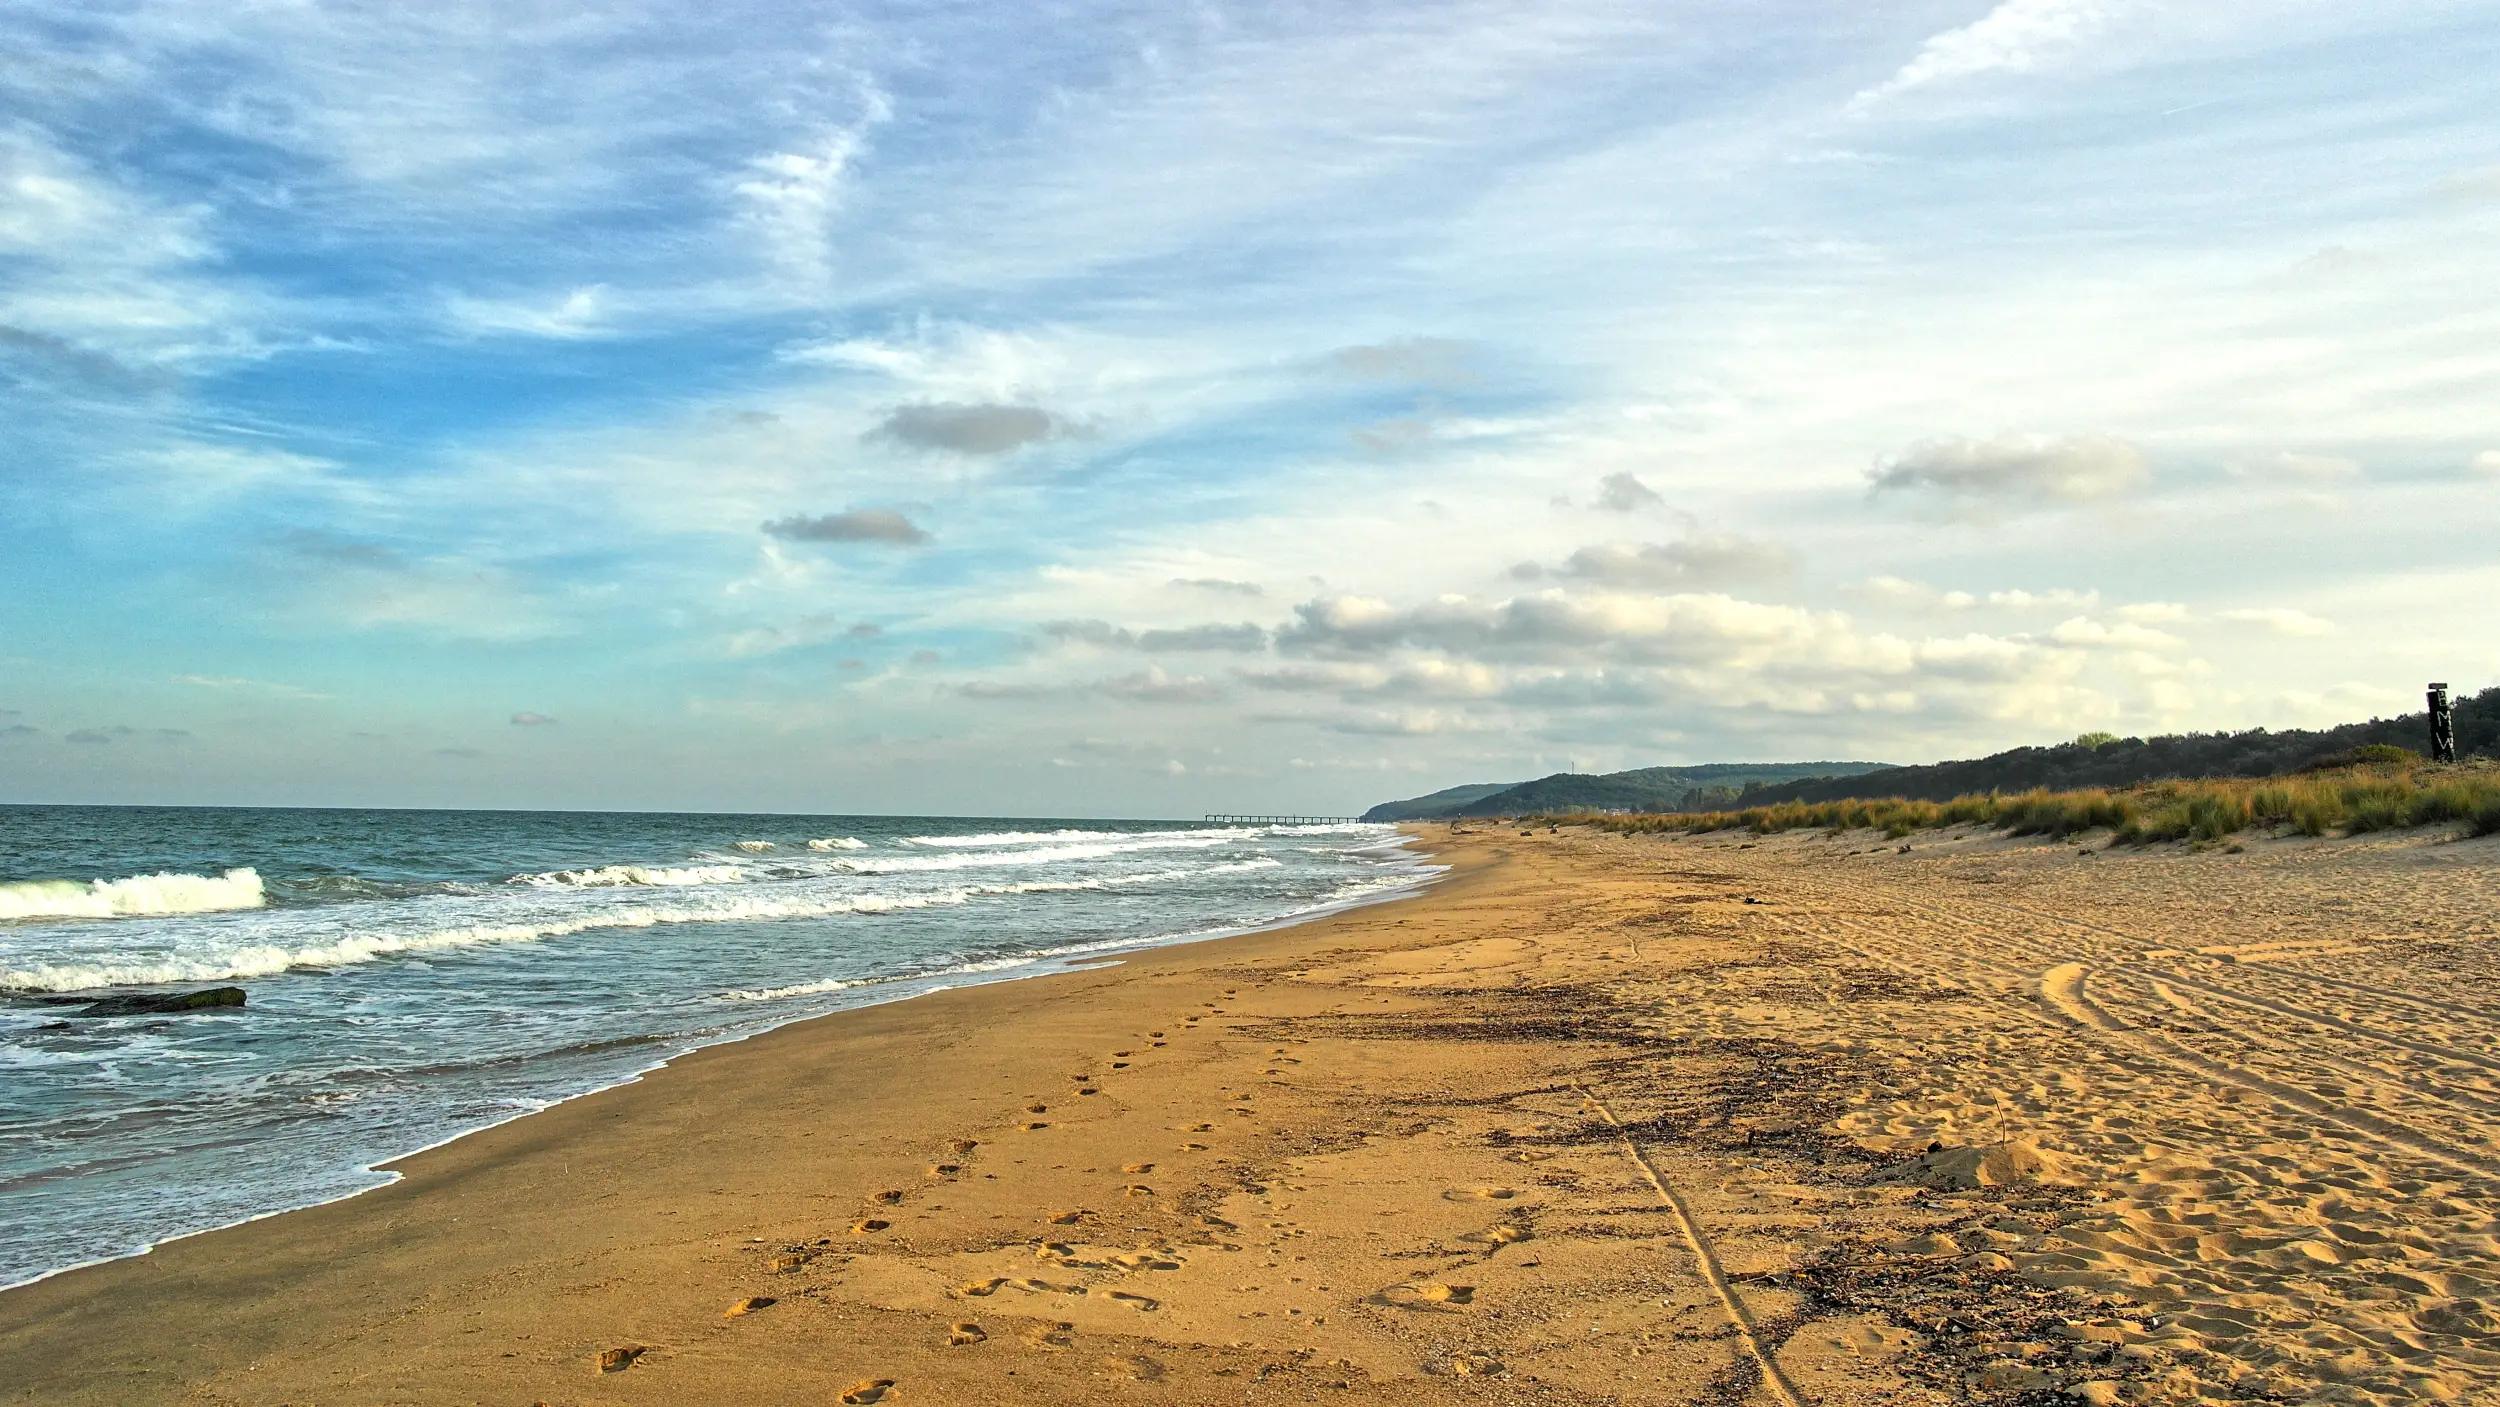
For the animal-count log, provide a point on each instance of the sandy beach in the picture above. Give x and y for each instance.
(1596, 1120)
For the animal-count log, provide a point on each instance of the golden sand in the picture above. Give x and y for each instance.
(1599, 1120)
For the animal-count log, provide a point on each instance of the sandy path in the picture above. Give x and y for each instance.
(1603, 1120)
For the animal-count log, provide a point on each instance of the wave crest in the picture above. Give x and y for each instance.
(838, 842)
(139, 896)
(610, 876)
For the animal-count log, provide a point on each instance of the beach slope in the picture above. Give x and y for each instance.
(1597, 1120)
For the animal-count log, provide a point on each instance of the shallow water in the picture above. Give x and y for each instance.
(414, 975)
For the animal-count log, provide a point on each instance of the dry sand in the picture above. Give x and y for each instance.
(1600, 1120)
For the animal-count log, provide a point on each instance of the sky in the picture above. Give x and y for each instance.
(1089, 409)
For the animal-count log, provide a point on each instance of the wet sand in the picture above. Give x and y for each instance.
(1597, 1120)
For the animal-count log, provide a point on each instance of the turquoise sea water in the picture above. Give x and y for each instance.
(414, 975)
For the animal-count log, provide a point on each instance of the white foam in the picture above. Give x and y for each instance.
(838, 842)
(1038, 855)
(265, 960)
(993, 839)
(140, 896)
(609, 876)
(755, 847)
(803, 989)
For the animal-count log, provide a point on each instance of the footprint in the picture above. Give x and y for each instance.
(1143, 1304)
(867, 1224)
(1480, 1194)
(1137, 1167)
(1137, 1366)
(749, 1305)
(1067, 1218)
(788, 1263)
(868, 1390)
(1089, 1089)
(1507, 1233)
(617, 1360)
(963, 1145)
(1193, 1148)
(1037, 1108)
(1137, 1189)
(1429, 1294)
(1035, 1127)
(981, 1289)
(1119, 1064)
(1122, 1054)
(890, 1196)
(1145, 1260)
(1051, 1337)
(945, 1169)
(957, 1335)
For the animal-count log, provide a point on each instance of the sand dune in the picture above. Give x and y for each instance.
(1604, 1120)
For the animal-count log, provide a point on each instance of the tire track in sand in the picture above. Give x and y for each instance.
(2063, 989)
(1711, 1271)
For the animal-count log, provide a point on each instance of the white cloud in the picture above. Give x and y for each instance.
(227, 683)
(2015, 37)
(2487, 462)
(578, 313)
(2281, 620)
(2034, 468)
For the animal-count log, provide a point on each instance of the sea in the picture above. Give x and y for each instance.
(416, 975)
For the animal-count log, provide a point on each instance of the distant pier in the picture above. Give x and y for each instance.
(1221, 820)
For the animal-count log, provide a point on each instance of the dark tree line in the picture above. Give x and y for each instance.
(2258, 752)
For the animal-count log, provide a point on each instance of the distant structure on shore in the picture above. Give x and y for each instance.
(1225, 819)
(2443, 725)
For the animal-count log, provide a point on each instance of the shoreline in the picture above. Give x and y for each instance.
(1718, 1120)
(1425, 874)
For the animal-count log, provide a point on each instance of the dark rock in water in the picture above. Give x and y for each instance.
(164, 1003)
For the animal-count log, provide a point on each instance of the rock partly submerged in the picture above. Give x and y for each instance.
(164, 1003)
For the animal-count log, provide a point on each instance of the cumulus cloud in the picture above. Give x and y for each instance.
(2281, 620)
(532, 720)
(1547, 623)
(850, 525)
(1715, 560)
(2084, 633)
(2487, 463)
(1221, 585)
(1624, 493)
(2037, 468)
(1244, 636)
(1156, 687)
(959, 427)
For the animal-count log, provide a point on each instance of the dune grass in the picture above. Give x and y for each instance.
(2376, 794)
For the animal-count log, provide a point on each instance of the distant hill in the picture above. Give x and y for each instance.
(2118, 762)
(1439, 803)
(1642, 789)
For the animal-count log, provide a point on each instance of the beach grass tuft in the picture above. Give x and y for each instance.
(2373, 789)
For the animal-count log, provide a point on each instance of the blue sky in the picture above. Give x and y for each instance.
(1093, 409)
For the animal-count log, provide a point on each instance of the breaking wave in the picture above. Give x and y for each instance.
(997, 838)
(838, 842)
(140, 896)
(1038, 855)
(609, 876)
(268, 959)
(755, 847)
